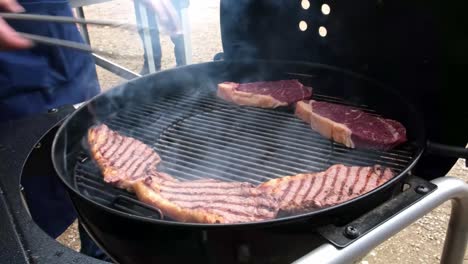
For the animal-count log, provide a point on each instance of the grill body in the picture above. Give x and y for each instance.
(199, 135)
(414, 46)
(209, 138)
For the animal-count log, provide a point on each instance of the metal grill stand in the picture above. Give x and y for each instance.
(193, 127)
(448, 188)
(27, 242)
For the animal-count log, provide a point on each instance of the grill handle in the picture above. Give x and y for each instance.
(448, 151)
(414, 189)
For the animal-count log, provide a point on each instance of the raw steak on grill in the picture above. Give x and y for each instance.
(308, 191)
(264, 94)
(122, 160)
(208, 201)
(350, 126)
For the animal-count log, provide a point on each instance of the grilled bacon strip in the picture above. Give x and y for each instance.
(308, 191)
(122, 160)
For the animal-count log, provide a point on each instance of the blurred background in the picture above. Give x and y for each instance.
(205, 36)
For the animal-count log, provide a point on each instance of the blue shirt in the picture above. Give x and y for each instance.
(37, 79)
(43, 77)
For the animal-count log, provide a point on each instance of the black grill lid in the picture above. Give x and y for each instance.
(415, 46)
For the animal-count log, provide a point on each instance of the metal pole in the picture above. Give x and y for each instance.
(457, 231)
(142, 21)
(448, 188)
(101, 61)
(187, 37)
(84, 28)
(115, 68)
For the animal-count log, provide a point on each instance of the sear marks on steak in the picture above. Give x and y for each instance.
(130, 164)
(208, 201)
(122, 160)
(264, 94)
(350, 126)
(308, 191)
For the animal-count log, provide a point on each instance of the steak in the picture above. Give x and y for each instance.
(129, 164)
(264, 94)
(208, 201)
(122, 160)
(308, 191)
(350, 126)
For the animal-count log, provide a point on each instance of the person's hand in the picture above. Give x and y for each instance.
(168, 18)
(9, 38)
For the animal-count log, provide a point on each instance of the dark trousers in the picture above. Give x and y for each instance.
(52, 210)
(177, 40)
(88, 247)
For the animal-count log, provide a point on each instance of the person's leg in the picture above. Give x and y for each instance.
(48, 203)
(156, 45)
(179, 49)
(52, 210)
(178, 40)
(88, 247)
(144, 69)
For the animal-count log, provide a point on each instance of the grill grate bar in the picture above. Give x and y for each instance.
(219, 103)
(184, 104)
(218, 156)
(228, 164)
(212, 172)
(99, 184)
(248, 113)
(98, 194)
(193, 147)
(180, 173)
(175, 170)
(139, 133)
(291, 163)
(343, 157)
(88, 173)
(135, 207)
(125, 209)
(280, 139)
(318, 140)
(203, 136)
(199, 140)
(214, 100)
(178, 101)
(275, 143)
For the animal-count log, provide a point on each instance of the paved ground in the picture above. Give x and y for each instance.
(420, 243)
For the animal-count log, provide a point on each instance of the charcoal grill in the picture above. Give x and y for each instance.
(211, 138)
(200, 124)
(201, 136)
(24, 239)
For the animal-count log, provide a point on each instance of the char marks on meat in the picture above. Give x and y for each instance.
(122, 160)
(208, 201)
(308, 191)
(130, 164)
(350, 126)
(264, 94)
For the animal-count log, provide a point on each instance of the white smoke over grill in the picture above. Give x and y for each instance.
(177, 112)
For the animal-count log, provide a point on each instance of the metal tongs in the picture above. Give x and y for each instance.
(62, 19)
